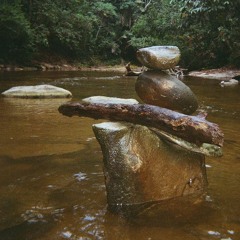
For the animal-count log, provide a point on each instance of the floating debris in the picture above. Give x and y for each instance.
(80, 176)
(214, 233)
(230, 232)
(208, 166)
(66, 234)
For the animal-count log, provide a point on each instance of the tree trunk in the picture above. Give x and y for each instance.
(190, 128)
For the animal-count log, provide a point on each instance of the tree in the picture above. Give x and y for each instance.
(211, 30)
(61, 27)
(15, 33)
(157, 27)
(207, 32)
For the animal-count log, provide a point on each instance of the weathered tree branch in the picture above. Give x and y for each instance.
(130, 72)
(190, 128)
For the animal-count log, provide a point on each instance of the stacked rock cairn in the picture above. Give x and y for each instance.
(156, 87)
(144, 174)
(147, 172)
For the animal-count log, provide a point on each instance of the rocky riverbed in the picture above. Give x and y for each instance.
(224, 73)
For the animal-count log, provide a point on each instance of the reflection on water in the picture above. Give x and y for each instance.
(51, 180)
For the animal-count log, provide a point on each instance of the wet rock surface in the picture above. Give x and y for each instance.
(141, 169)
(163, 90)
(220, 74)
(159, 57)
(38, 91)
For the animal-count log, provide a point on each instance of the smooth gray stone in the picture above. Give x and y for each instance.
(38, 91)
(159, 57)
(112, 100)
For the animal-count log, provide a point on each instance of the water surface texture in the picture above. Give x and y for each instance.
(51, 179)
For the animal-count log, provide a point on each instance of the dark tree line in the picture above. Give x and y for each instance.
(207, 32)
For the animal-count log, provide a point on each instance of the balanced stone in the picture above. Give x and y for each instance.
(38, 91)
(141, 169)
(159, 57)
(163, 90)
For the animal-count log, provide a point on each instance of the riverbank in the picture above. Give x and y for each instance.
(224, 73)
(60, 67)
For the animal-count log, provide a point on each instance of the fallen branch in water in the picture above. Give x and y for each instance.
(130, 72)
(190, 128)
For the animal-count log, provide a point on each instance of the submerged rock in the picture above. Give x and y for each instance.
(38, 91)
(159, 57)
(206, 149)
(230, 83)
(141, 169)
(163, 90)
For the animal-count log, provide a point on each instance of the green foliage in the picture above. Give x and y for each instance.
(61, 27)
(207, 32)
(15, 33)
(211, 30)
(105, 26)
(157, 27)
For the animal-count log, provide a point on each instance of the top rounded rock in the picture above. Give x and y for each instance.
(159, 57)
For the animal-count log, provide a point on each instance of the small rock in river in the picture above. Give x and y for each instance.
(230, 83)
(66, 234)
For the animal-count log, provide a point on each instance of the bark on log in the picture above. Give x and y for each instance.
(190, 128)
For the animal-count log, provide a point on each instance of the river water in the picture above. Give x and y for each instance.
(51, 179)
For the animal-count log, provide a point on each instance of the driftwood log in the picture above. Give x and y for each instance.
(193, 129)
(130, 72)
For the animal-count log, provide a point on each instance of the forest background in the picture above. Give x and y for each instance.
(109, 32)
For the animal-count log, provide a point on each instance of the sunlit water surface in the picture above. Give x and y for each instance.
(51, 179)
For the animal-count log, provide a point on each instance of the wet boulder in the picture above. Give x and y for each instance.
(159, 57)
(163, 90)
(142, 169)
(38, 91)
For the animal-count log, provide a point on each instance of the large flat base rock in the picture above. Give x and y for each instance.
(141, 169)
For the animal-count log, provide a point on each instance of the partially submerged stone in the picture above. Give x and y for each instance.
(221, 74)
(163, 90)
(38, 91)
(206, 149)
(159, 57)
(142, 170)
(112, 100)
(230, 83)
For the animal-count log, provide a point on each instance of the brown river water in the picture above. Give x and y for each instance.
(51, 179)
